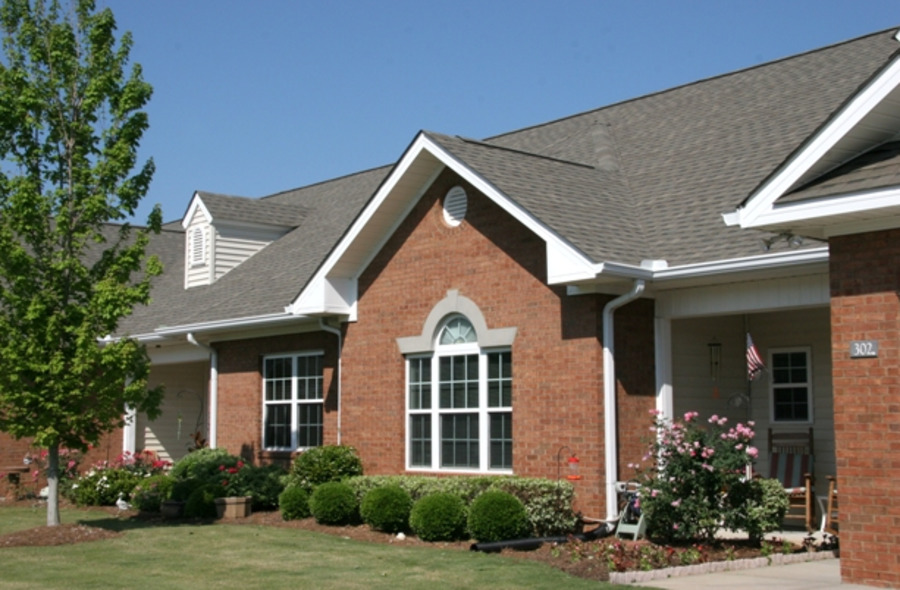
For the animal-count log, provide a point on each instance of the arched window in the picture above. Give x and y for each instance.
(459, 402)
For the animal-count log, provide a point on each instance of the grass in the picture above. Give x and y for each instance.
(248, 556)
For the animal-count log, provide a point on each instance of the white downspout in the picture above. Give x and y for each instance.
(340, 371)
(213, 389)
(609, 396)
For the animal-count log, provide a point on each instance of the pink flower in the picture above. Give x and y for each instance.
(753, 452)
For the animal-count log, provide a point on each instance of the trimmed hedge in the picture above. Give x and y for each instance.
(323, 464)
(386, 509)
(497, 516)
(334, 503)
(440, 516)
(548, 503)
(294, 503)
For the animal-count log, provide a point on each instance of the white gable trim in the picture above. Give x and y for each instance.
(328, 291)
(760, 208)
(196, 204)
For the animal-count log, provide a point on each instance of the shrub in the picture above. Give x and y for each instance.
(263, 483)
(294, 503)
(202, 502)
(496, 516)
(203, 464)
(756, 506)
(548, 502)
(106, 481)
(334, 503)
(183, 488)
(438, 517)
(102, 487)
(685, 496)
(150, 492)
(324, 464)
(386, 509)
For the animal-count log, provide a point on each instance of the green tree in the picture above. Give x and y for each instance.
(72, 267)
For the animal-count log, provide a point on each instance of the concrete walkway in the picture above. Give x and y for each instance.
(810, 575)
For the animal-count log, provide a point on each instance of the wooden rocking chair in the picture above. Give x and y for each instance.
(791, 462)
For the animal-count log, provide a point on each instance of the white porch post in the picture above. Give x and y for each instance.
(665, 403)
(129, 432)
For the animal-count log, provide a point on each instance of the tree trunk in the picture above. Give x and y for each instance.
(53, 486)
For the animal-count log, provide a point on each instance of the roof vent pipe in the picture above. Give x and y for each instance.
(611, 466)
(336, 332)
(213, 389)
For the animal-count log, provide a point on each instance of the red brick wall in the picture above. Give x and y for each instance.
(865, 282)
(557, 359)
(240, 390)
(12, 452)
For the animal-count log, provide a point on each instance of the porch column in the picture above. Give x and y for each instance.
(129, 432)
(663, 351)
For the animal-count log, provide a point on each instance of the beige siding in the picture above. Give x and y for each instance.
(235, 245)
(694, 388)
(184, 410)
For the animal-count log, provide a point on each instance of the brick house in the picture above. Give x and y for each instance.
(484, 306)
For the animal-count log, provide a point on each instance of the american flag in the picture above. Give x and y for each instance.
(754, 362)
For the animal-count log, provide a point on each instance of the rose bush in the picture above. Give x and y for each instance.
(695, 480)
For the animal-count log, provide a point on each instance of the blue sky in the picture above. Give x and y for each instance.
(256, 97)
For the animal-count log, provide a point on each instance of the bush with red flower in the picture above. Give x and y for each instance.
(106, 481)
(695, 481)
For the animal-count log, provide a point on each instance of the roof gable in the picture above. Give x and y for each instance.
(804, 194)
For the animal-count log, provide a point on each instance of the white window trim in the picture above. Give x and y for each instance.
(809, 385)
(436, 412)
(293, 401)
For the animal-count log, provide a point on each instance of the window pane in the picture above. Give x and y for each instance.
(309, 425)
(501, 440)
(499, 380)
(278, 379)
(278, 426)
(459, 440)
(459, 381)
(791, 404)
(309, 377)
(420, 440)
(458, 331)
(419, 383)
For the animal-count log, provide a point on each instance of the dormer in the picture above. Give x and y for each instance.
(221, 232)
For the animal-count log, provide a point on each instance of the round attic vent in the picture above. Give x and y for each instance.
(455, 204)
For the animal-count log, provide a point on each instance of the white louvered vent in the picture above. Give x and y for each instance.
(455, 205)
(197, 246)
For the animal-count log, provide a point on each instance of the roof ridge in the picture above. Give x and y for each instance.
(895, 28)
(523, 152)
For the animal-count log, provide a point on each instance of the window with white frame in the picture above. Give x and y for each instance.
(791, 385)
(292, 401)
(459, 403)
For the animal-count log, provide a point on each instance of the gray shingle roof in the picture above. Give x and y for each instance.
(645, 178)
(266, 212)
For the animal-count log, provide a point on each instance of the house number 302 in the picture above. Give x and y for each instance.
(863, 349)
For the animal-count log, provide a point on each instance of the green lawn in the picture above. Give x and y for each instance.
(247, 556)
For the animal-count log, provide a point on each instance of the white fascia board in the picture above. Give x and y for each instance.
(563, 259)
(844, 205)
(613, 270)
(850, 115)
(231, 324)
(196, 203)
(746, 264)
